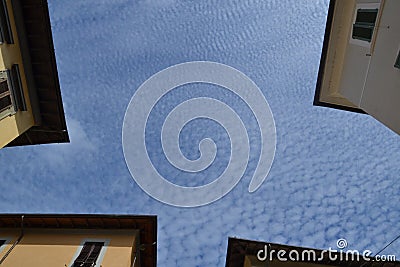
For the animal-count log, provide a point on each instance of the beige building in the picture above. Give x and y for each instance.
(360, 62)
(78, 240)
(31, 110)
(248, 253)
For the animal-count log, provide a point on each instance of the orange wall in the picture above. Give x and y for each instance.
(59, 247)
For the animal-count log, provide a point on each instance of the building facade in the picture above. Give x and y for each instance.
(78, 240)
(360, 62)
(31, 110)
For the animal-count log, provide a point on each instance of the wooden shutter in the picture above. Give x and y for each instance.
(89, 254)
(16, 87)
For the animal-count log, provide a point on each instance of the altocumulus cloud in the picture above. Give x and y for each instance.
(335, 173)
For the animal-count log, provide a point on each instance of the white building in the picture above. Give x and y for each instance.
(360, 62)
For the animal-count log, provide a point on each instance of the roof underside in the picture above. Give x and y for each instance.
(146, 224)
(34, 32)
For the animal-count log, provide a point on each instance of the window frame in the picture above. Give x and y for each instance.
(101, 254)
(365, 6)
(369, 26)
(7, 241)
(15, 91)
(11, 110)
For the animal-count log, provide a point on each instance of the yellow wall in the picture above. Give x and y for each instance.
(13, 126)
(60, 247)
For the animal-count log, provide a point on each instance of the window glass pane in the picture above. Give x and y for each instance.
(3, 86)
(5, 103)
(363, 28)
(366, 16)
(362, 33)
(5, 94)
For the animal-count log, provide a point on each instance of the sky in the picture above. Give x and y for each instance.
(335, 173)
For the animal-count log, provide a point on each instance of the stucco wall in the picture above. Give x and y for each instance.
(57, 247)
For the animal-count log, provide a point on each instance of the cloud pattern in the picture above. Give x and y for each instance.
(335, 174)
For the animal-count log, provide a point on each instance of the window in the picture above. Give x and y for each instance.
(2, 242)
(6, 104)
(397, 63)
(363, 28)
(88, 255)
(11, 92)
(5, 27)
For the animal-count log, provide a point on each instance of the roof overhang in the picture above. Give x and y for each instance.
(34, 32)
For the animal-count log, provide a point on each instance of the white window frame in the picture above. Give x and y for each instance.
(365, 6)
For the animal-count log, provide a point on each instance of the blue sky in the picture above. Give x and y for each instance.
(335, 173)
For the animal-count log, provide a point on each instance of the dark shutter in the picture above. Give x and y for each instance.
(5, 27)
(363, 28)
(89, 254)
(16, 87)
